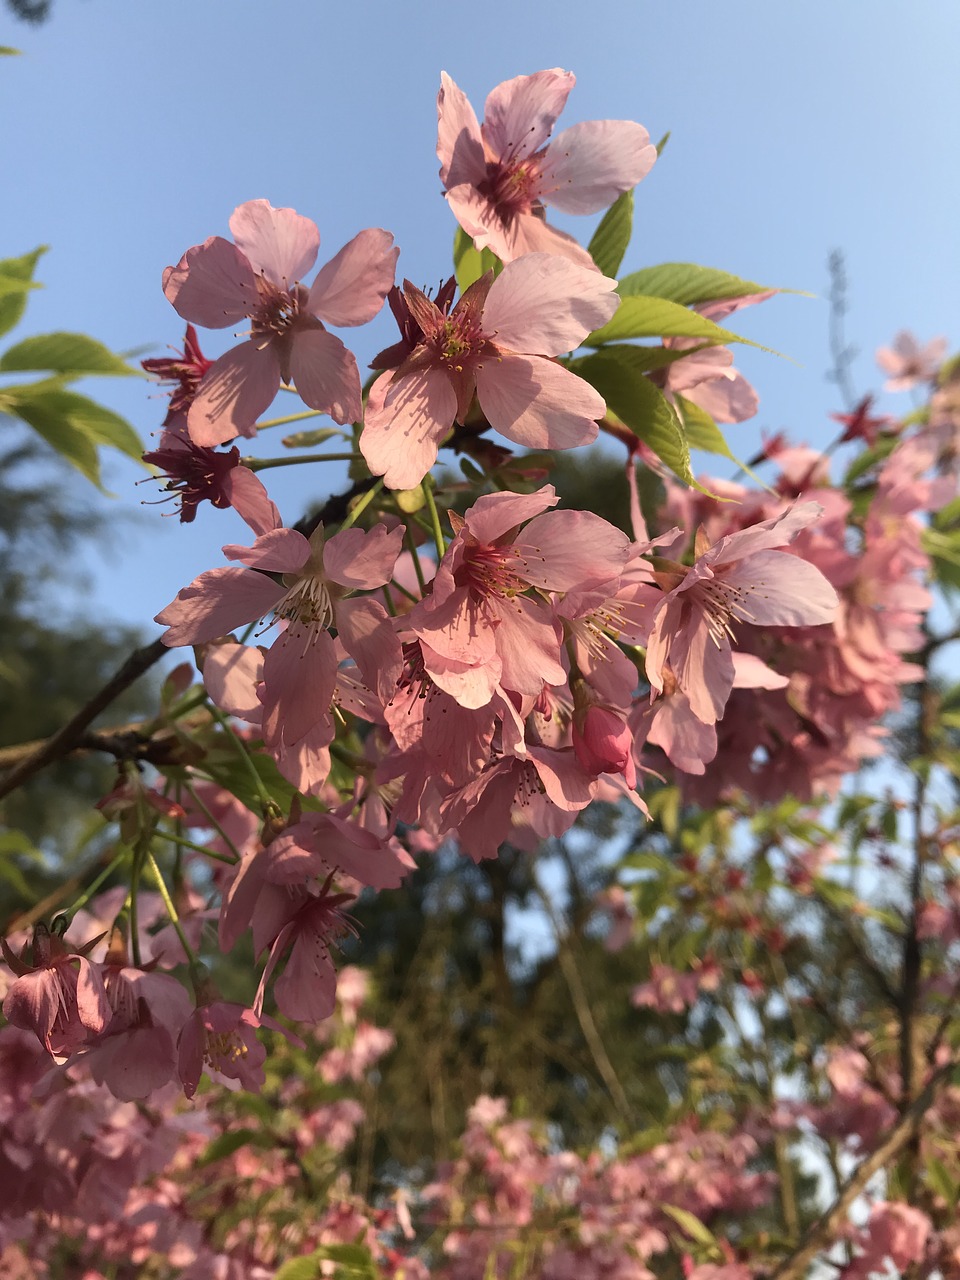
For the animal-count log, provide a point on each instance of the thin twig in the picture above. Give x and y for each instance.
(819, 1234)
(64, 741)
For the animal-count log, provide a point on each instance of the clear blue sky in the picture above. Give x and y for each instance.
(131, 129)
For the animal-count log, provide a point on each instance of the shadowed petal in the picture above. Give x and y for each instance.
(588, 166)
(213, 284)
(281, 243)
(325, 374)
(539, 404)
(351, 288)
(459, 146)
(519, 114)
(299, 675)
(362, 559)
(234, 392)
(546, 304)
(216, 602)
(406, 419)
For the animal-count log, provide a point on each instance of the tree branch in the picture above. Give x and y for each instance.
(818, 1236)
(65, 739)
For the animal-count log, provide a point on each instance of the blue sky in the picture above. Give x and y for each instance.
(131, 130)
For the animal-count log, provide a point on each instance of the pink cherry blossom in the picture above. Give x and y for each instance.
(300, 668)
(498, 342)
(739, 579)
(906, 363)
(499, 175)
(223, 1038)
(58, 994)
(219, 284)
(479, 627)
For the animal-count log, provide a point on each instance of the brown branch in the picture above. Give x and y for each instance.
(66, 739)
(818, 1235)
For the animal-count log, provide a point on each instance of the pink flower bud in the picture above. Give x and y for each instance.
(603, 743)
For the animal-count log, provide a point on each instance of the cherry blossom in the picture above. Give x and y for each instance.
(499, 175)
(218, 284)
(497, 341)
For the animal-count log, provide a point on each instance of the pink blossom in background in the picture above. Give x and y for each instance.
(497, 341)
(742, 578)
(218, 284)
(907, 364)
(58, 994)
(499, 175)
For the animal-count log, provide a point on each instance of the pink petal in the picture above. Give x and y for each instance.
(216, 602)
(405, 421)
(779, 589)
(728, 399)
(362, 559)
(519, 114)
(231, 673)
(299, 675)
(213, 284)
(367, 634)
(459, 146)
(278, 551)
(325, 374)
(471, 684)
(539, 404)
(528, 642)
(234, 392)
(307, 989)
(588, 166)
(495, 514)
(562, 550)
(545, 304)
(751, 672)
(563, 780)
(351, 288)
(279, 242)
(92, 1003)
(687, 742)
(775, 532)
(248, 497)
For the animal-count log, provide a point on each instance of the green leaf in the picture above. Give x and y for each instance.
(645, 359)
(7, 52)
(13, 301)
(703, 433)
(612, 236)
(640, 316)
(307, 1268)
(639, 405)
(71, 423)
(352, 1260)
(942, 1182)
(686, 283)
(469, 263)
(73, 354)
(308, 439)
(691, 1225)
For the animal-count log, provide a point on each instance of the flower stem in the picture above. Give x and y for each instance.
(213, 822)
(434, 518)
(263, 464)
(290, 417)
(171, 910)
(267, 802)
(417, 567)
(85, 897)
(362, 505)
(183, 843)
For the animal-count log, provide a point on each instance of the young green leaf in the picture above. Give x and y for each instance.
(13, 300)
(686, 283)
(612, 236)
(71, 354)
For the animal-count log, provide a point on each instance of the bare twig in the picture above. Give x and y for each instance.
(65, 739)
(818, 1235)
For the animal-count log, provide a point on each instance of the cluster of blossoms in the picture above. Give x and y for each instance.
(413, 676)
